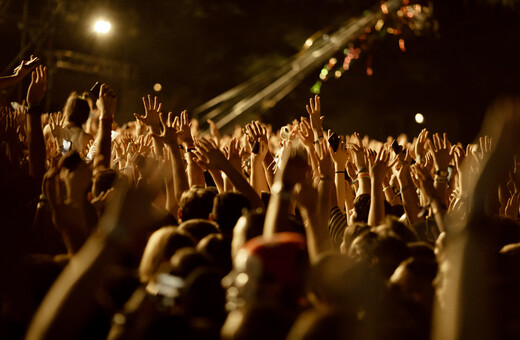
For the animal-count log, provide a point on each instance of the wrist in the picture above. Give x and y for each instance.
(257, 159)
(361, 169)
(363, 176)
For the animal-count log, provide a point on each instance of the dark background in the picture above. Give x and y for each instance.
(198, 49)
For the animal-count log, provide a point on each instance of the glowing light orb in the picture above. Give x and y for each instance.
(102, 26)
(419, 118)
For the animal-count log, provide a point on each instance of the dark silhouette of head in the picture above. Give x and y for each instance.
(227, 209)
(199, 228)
(247, 227)
(361, 208)
(77, 109)
(161, 246)
(196, 203)
(218, 249)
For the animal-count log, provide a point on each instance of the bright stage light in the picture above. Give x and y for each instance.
(419, 118)
(102, 26)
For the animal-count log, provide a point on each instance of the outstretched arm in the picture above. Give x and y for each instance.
(107, 107)
(20, 72)
(195, 172)
(316, 201)
(378, 169)
(35, 139)
(169, 138)
(152, 110)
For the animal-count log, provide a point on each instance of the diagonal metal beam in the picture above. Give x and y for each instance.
(269, 87)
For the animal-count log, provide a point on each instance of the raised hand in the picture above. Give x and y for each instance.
(144, 144)
(194, 127)
(485, 146)
(214, 132)
(379, 165)
(201, 161)
(314, 110)
(169, 133)
(20, 72)
(262, 151)
(233, 153)
(107, 102)
(325, 161)
(402, 169)
(256, 131)
(209, 149)
(57, 124)
(420, 146)
(440, 150)
(515, 173)
(183, 129)
(340, 156)
(358, 152)
(152, 109)
(8, 126)
(512, 206)
(101, 200)
(38, 86)
(305, 133)
(25, 67)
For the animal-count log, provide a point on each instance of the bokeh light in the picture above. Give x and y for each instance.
(157, 87)
(102, 26)
(419, 118)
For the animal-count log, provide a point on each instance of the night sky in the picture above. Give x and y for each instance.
(199, 49)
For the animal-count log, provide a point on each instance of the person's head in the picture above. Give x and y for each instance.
(227, 209)
(298, 167)
(196, 203)
(271, 269)
(422, 251)
(413, 280)
(77, 109)
(351, 232)
(203, 295)
(361, 208)
(218, 250)
(161, 246)
(248, 226)
(186, 260)
(393, 227)
(336, 281)
(199, 228)
(383, 252)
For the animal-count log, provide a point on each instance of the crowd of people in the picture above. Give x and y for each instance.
(156, 230)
